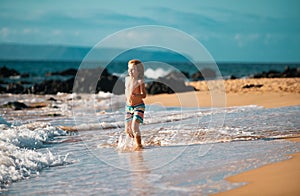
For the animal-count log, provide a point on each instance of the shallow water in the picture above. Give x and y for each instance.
(143, 173)
(187, 150)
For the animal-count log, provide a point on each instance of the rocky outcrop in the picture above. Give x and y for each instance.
(68, 72)
(6, 72)
(287, 73)
(87, 81)
(111, 84)
(172, 83)
(15, 105)
(204, 74)
(52, 87)
(15, 88)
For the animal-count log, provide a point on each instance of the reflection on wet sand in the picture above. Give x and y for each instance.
(140, 174)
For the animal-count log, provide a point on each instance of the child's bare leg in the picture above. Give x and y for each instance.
(137, 134)
(128, 129)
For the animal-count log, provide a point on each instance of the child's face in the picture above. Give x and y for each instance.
(132, 70)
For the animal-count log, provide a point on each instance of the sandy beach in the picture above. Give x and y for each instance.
(280, 178)
(269, 93)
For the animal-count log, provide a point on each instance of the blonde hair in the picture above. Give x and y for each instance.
(140, 67)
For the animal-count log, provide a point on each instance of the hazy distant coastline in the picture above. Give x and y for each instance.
(78, 53)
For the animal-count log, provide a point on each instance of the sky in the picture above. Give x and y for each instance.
(231, 30)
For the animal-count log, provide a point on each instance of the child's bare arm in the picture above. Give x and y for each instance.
(127, 90)
(142, 88)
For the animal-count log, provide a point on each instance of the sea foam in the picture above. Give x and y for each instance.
(20, 153)
(156, 73)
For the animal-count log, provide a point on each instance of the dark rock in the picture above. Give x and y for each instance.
(2, 89)
(291, 72)
(205, 73)
(253, 86)
(260, 75)
(6, 72)
(52, 99)
(87, 81)
(86, 72)
(15, 88)
(52, 87)
(95, 80)
(177, 76)
(269, 74)
(172, 83)
(154, 88)
(197, 76)
(2, 82)
(68, 72)
(96, 72)
(15, 105)
(287, 73)
(54, 115)
(273, 74)
(175, 85)
(232, 77)
(24, 82)
(111, 84)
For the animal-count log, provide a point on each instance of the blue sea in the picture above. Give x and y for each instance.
(38, 70)
(187, 150)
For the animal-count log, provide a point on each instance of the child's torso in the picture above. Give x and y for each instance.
(135, 88)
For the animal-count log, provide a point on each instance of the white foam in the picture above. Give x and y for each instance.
(31, 135)
(19, 158)
(104, 95)
(100, 125)
(125, 143)
(155, 73)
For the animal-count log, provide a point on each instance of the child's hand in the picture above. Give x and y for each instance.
(136, 95)
(140, 82)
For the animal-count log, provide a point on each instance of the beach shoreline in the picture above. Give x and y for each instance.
(273, 93)
(204, 99)
(278, 178)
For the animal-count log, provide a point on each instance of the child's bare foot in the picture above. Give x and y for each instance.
(138, 141)
(138, 148)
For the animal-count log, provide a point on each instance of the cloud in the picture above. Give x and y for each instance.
(4, 32)
(31, 31)
(182, 18)
(244, 39)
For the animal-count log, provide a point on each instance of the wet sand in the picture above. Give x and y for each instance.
(280, 178)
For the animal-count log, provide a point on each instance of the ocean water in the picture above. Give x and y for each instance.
(37, 70)
(187, 151)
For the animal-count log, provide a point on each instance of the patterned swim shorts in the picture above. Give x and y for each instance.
(135, 112)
